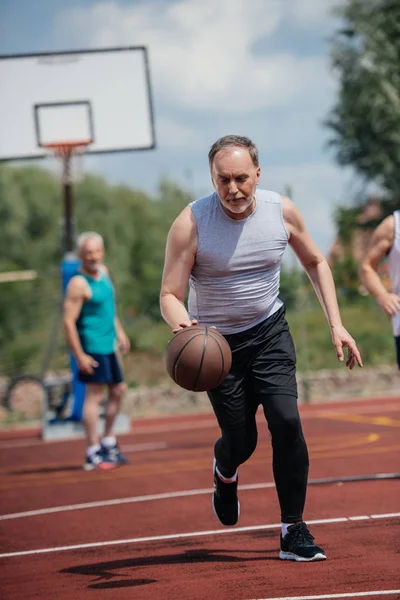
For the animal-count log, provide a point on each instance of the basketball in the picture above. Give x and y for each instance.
(198, 358)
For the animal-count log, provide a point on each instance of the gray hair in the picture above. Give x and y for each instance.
(85, 237)
(233, 140)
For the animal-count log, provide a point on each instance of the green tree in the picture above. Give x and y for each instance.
(290, 282)
(345, 274)
(366, 118)
(29, 214)
(134, 227)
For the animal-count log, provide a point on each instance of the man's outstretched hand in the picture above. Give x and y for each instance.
(342, 339)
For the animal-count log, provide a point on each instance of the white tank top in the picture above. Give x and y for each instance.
(234, 283)
(394, 269)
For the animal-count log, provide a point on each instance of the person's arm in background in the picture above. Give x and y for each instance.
(124, 343)
(180, 255)
(73, 302)
(380, 244)
(320, 275)
(123, 340)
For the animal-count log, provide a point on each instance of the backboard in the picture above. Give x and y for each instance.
(97, 96)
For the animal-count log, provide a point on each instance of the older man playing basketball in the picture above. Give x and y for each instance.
(228, 247)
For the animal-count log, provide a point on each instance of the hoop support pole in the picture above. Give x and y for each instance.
(68, 204)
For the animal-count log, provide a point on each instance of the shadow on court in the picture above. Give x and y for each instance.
(112, 585)
(108, 570)
(65, 469)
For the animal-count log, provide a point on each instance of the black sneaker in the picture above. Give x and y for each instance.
(114, 455)
(225, 501)
(298, 544)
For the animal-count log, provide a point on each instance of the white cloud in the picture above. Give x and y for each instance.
(209, 81)
(173, 134)
(309, 13)
(317, 189)
(201, 50)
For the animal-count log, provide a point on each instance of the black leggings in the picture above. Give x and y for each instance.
(263, 372)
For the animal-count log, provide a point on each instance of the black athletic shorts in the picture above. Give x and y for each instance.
(108, 370)
(397, 340)
(263, 364)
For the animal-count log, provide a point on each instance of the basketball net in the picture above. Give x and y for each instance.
(67, 159)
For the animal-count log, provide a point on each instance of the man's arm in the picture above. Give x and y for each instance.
(381, 242)
(123, 340)
(180, 255)
(73, 302)
(124, 343)
(320, 275)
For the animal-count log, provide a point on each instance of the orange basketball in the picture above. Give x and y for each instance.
(198, 358)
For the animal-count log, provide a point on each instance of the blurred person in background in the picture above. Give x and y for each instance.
(385, 242)
(93, 331)
(229, 247)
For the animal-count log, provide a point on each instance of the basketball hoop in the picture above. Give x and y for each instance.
(70, 153)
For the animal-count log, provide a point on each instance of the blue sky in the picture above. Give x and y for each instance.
(253, 67)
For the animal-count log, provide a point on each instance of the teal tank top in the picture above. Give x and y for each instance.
(96, 322)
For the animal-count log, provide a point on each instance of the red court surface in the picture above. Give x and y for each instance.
(147, 530)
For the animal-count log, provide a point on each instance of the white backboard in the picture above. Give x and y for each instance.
(54, 97)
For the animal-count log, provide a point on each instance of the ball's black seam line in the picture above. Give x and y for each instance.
(202, 359)
(180, 352)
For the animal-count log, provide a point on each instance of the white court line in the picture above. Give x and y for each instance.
(143, 447)
(147, 498)
(206, 423)
(115, 501)
(328, 596)
(132, 499)
(141, 430)
(179, 536)
(36, 442)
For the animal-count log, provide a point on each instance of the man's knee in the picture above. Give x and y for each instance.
(287, 429)
(240, 445)
(94, 393)
(247, 451)
(118, 390)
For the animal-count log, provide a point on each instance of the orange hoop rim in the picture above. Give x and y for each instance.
(67, 148)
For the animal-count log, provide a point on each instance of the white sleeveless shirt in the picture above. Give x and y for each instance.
(394, 269)
(234, 283)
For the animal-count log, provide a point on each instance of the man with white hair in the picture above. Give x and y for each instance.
(92, 330)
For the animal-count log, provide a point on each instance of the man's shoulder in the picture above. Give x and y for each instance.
(268, 196)
(387, 226)
(204, 200)
(390, 227)
(205, 205)
(77, 285)
(105, 273)
(77, 280)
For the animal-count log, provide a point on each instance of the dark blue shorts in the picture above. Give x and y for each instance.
(108, 372)
(397, 340)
